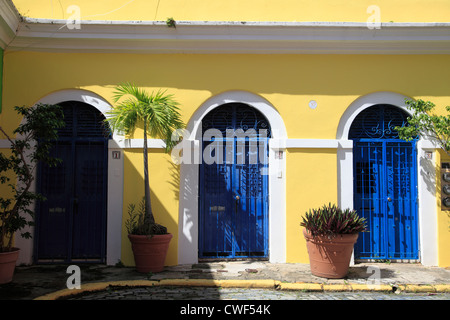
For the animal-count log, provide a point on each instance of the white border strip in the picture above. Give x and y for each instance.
(276, 144)
(232, 37)
(18, 32)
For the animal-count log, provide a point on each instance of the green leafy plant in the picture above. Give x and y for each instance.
(35, 137)
(160, 116)
(331, 220)
(137, 222)
(170, 22)
(423, 122)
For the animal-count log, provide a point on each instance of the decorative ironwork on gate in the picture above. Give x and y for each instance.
(378, 122)
(234, 192)
(235, 116)
(385, 187)
(71, 223)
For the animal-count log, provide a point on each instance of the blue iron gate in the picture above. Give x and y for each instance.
(385, 188)
(233, 186)
(71, 223)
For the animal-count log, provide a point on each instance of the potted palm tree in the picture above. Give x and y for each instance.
(330, 234)
(41, 123)
(159, 114)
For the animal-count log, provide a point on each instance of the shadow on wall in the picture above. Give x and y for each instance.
(162, 193)
(164, 178)
(428, 174)
(339, 74)
(174, 181)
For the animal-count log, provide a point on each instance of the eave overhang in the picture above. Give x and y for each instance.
(216, 37)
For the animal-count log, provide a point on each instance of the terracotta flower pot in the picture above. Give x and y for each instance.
(8, 264)
(150, 253)
(330, 258)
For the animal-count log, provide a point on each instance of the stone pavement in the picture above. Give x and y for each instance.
(49, 282)
(261, 295)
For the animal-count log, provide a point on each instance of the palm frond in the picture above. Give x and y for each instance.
(131, 90)
(134, 104)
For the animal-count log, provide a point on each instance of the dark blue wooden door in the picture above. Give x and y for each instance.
(233, 186)
(385, 189)
(71, 223)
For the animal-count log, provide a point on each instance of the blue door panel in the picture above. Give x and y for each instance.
(89, 205)
(385, 188)
(54, 220)
(71, 223)
(234, 192)
(402, 213)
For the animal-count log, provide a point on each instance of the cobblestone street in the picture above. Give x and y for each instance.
(231, 281)
(200, 293)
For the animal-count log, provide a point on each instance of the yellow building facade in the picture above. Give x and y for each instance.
(308, 67)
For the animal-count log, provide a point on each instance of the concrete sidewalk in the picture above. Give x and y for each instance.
(49, 281)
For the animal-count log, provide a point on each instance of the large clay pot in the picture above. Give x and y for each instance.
(8, 264)
(330, 257)
(150, 252)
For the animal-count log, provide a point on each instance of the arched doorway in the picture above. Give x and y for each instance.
(385, 184)
(234, 184)
(188, 231)
(71, 223)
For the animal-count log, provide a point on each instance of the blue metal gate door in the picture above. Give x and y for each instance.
(401, 200)
(385, 190)
(53, 215)
(71, 223)
(251, 200)
(216, 206)
(368, 197)
(89, 208)
(233, 189)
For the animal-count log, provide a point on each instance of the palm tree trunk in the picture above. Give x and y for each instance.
(148, 205)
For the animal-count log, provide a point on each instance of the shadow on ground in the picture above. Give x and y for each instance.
(364, 273)
(33, 281)
(30, 282)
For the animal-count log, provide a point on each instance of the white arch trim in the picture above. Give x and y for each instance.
(79, 95)
(426, 171)
(115, 180)
(364, 102)
(189, 176)
(256, 101)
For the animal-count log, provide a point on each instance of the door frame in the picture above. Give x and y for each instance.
(227, 199)
(426, 171)
(73, 143)
(115, 180)
(382, 178)
(189, 174)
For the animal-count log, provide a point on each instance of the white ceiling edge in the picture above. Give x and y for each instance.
(22, 33)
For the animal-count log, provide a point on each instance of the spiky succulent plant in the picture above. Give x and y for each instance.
(331, 220)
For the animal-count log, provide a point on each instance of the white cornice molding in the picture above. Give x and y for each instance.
(9, 22)
(230, 37)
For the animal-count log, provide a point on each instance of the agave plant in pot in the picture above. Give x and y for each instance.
(17, 168)
(330, 234)
(159, 114)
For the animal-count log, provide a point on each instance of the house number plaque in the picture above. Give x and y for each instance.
(116, 154)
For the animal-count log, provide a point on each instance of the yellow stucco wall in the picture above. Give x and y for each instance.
(310, 183)
(288, 82)
(164, 181)
(236, 10)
